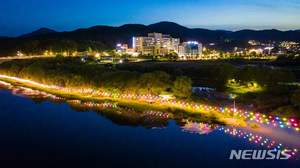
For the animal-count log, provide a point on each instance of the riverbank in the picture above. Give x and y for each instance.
(183, 111)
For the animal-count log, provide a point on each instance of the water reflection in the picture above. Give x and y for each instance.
(274, 132)
(269, 138)
(122, 116)
(198, 128)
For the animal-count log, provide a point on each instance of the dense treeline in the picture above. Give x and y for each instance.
(214, 76)
(273, 80)
(38, 47)
(290, 60)
(218, 75)
(134, 78)
(73, 73)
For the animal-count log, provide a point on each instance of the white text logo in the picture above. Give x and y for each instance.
(259, 154)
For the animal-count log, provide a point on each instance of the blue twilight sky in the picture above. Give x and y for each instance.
(18, 17)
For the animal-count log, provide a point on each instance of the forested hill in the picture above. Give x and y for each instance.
(4, 37)
(106, 37)
(38, 32)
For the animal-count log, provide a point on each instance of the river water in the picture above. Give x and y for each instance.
(48, 132)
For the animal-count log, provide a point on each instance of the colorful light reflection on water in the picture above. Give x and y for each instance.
(274, 133)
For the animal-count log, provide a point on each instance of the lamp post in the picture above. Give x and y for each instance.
(233, 97)
(233, 105)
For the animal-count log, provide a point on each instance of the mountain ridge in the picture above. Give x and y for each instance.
(40, 31)
(106, 37)
(175, 30)
(4, 37)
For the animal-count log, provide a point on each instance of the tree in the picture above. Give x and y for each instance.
(31, 47)
(296, 97)
(155, 82)
(221, 54)
(177, 72)
(274, 80)
(248, 74)
(33, 72)
(208, 73)
(113, 81)
(89, 50)
(252, 54)
(14, 70)
(191, 72)
(275, 50)
(112, 53)
(131, 83)
(207, 52)
(217, 76)
(77, 81)
(182, 87)
(224, 72)
(172, 56)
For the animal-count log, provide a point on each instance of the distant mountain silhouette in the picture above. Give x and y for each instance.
(38, 32)
(110, 35)
(167, 26)
(264, 35)
(4, 37)
(186, 34)
(226, 31)
(106, 37)
(125, 33)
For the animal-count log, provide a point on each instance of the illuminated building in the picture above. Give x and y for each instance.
(156, 44)
(122, 48)
(190, 49)
(257, 50)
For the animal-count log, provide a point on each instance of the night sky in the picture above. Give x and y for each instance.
(18, 17)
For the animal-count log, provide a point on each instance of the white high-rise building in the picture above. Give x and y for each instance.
(175, 44)
(190, 49)
(156, 44)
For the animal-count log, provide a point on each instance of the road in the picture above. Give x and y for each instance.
(9, 58)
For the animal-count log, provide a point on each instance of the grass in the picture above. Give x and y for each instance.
(287, 111)
(166, 93)
(237, 89)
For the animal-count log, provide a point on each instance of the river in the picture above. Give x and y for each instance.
(37, 130)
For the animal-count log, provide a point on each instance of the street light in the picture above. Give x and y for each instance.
(233, 97)
(234, 105)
